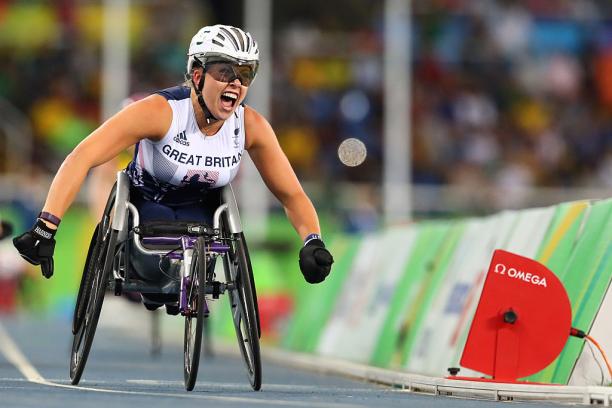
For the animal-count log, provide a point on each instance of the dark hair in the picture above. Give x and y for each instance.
(188, 77)
(196, 64)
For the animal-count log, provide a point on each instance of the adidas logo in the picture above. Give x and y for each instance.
(181, 138)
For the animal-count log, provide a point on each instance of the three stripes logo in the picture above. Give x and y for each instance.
(181, 138)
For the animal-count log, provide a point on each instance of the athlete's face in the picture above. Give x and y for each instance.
(222, 98)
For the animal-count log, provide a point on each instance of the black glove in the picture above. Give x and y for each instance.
(36, 246)
(315, 261)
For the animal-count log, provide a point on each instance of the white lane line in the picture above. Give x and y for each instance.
(15, 357)
(12, 353)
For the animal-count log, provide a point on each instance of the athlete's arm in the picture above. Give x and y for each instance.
(276, 172)
(148, 118)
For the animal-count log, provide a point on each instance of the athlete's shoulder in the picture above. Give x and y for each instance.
(176, 93)
(257, 128)
(252, 117)
(152, 116)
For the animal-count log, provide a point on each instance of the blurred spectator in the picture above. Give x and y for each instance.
(11, 269)
(6, 229)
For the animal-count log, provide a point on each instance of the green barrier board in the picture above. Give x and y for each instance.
(352, 329)
(562, 235)
(556, 251)
(429, 239)
(505, 231)
(586, 280)
(314, 303)
(435, 269)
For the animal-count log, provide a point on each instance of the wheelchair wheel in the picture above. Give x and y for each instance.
(195, 314)
(91, 292)
(243, 302)
(80, 304)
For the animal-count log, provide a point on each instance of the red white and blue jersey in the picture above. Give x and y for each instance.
(182, 166)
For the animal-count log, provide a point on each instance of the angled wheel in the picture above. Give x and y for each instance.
(91, 292)
(195, 314)
(243, 302)
(85, 286)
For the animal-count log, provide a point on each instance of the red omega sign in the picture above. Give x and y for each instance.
(522, 321)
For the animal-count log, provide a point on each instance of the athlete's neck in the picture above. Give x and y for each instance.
(211, 129)
(208, 126)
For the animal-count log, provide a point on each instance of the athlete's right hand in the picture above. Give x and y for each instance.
(36, 246)
(315, 261)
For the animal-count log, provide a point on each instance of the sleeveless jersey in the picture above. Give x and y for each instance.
(185, 163)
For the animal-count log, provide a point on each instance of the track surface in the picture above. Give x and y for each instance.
(121, 372)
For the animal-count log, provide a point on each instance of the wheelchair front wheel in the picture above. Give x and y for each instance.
(195, 314)
(91, 292)
(243, 300)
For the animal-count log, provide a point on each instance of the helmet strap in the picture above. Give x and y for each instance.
(210, 118)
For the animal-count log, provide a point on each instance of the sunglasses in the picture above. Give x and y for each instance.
(226, 72)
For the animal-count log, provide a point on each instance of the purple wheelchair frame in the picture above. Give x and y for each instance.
(214, 248)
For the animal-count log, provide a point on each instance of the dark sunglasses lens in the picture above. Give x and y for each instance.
(229, 72)
(221, 72)
(245, 74)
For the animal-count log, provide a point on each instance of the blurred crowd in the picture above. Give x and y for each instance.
(509, 94)
(50, 65)
(518, 94)
(512, 94)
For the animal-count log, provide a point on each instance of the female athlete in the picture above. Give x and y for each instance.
(189, 142)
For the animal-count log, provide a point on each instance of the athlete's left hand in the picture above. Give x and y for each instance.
(315, 261)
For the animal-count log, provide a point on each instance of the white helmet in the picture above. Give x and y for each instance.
(222, 42)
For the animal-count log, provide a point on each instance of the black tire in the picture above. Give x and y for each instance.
(254, 290)
(194, 320)
(91, 293)
(85, 286)
(243, 303)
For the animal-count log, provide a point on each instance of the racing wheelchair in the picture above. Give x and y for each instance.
(192, 248)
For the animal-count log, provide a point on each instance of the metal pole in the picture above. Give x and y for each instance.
(397, 136)
(253, 195)
(115, 56)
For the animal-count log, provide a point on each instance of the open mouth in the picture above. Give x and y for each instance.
(228, 100)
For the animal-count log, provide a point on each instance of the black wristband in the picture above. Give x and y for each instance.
(49, 217)
(310, 237)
